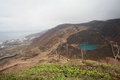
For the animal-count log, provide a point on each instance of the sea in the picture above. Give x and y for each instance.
(15, 35)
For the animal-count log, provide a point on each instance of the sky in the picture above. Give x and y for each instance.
(37, 15)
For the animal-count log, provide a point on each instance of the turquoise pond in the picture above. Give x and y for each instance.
(88, 46)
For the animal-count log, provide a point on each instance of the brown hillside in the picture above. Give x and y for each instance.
(62, 38)
(60, 44)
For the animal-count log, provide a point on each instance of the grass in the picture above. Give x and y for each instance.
(91, 71)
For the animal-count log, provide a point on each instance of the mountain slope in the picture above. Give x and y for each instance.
(60, 44)
(64, 38)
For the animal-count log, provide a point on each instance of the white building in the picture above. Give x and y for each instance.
(1, 43)
(2, 46)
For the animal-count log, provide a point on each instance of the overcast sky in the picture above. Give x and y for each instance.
(28, 15)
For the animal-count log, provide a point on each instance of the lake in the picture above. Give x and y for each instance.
(88, 46)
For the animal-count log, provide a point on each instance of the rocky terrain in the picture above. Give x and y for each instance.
(60, 44)
(65, 38)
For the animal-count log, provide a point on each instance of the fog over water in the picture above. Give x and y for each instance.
(15, 35)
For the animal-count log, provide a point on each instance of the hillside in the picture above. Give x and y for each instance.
(70, 71)
(60, 45)
(65, 37)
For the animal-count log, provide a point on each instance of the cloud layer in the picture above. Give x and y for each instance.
(22, 15)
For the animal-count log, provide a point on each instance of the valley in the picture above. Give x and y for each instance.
(59, 47)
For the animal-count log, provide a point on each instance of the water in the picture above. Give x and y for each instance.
(15, 35)
(88, 46)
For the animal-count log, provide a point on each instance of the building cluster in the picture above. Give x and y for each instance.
(13, 42)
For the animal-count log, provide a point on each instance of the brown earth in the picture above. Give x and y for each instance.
(60, 44)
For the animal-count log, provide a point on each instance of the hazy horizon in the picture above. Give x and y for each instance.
(15, 35)
(36, 15)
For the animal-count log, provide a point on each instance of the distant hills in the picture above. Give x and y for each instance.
(60, 45)
(64, 38)
(32, 36)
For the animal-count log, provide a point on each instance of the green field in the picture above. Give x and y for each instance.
(91, 71)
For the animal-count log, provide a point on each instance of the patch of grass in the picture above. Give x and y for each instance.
(90, 71)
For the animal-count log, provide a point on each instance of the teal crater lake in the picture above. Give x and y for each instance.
(88, 46)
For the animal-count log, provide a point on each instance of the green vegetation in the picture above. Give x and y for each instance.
(91, 71)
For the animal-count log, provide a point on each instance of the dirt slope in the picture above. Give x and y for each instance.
(66, 37)
(60, 44)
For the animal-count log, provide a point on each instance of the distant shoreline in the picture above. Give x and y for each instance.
(14, 35)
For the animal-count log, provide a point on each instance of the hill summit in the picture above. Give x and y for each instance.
(61, 44)
(65, 38)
